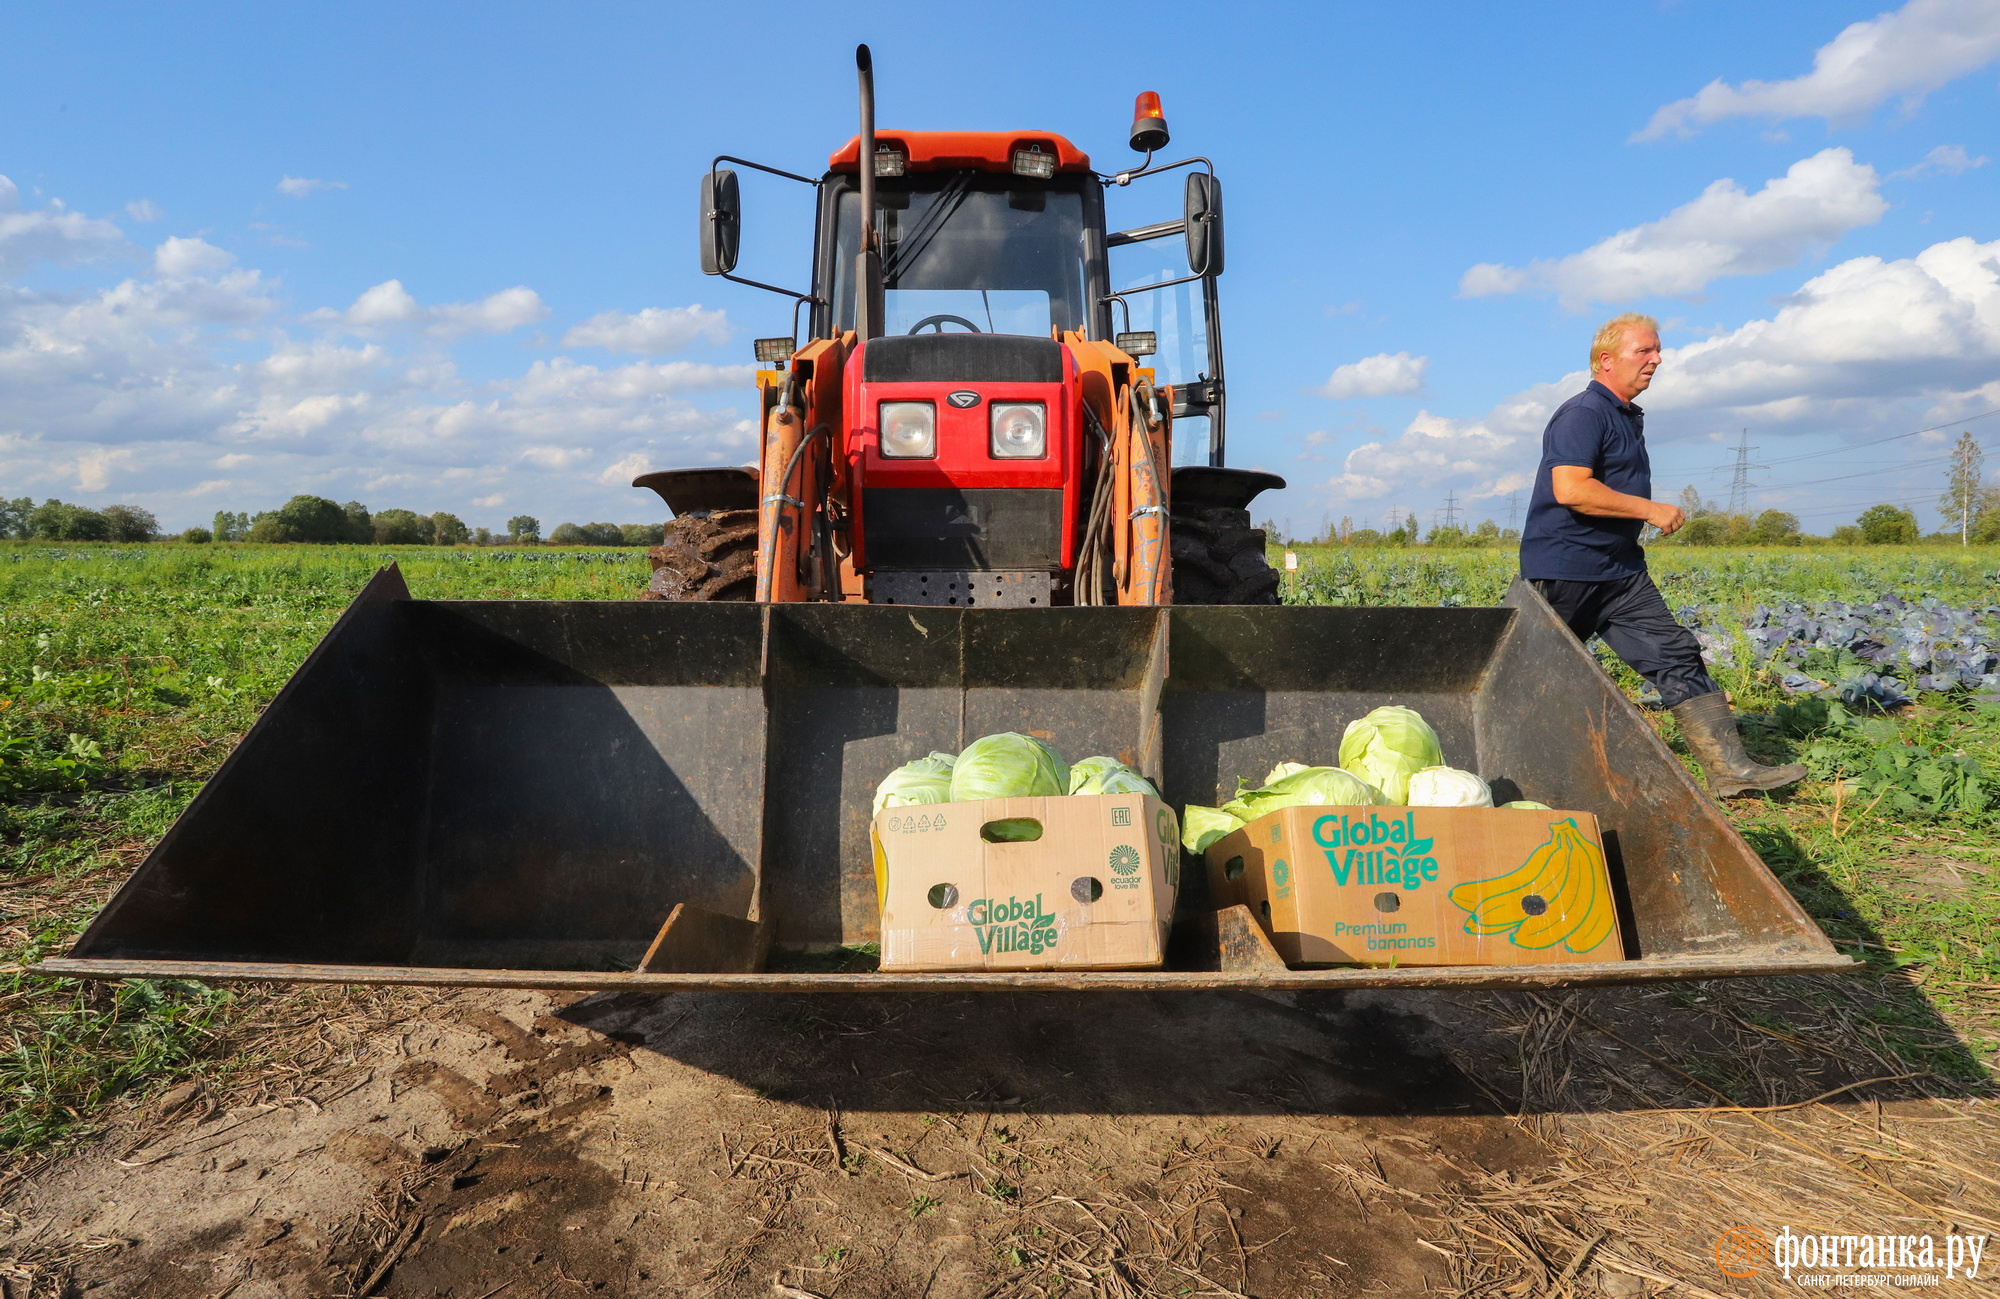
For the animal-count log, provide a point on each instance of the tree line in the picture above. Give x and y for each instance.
(306, 520)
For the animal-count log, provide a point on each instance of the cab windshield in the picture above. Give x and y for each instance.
(968, 250)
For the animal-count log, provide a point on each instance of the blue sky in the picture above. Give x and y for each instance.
(442, 256)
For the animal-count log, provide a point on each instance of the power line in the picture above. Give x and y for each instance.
(1451, 509)
(1857, 446)
(1513, 509)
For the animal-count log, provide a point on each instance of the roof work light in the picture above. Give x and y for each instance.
(1149, 124)
(1031, 161)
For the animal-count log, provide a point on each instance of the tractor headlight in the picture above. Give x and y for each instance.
(1020, 430)
(909, 430)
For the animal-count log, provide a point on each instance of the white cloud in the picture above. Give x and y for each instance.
(301, 186)
(185, 389)
(389, 303)
(1949, 159)
(655, 331)
(1868, 335)
(179, 258)
(1907, 53)
(1725, 232)
(52, 234)
(143, 209)
(1381, 375)
(1869, 347)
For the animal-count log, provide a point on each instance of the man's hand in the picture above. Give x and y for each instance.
(1667, 518)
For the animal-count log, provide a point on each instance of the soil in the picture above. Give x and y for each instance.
(952, 1147)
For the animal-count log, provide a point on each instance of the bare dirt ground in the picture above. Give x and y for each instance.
(483, 1144)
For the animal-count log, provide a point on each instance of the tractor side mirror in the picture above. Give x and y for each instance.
(1204, 224)
(722, 221)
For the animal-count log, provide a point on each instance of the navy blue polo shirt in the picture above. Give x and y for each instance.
(1595, 431)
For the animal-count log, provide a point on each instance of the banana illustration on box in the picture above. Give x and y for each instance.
(1559, 895)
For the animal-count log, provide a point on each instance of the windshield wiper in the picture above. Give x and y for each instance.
(911, 246)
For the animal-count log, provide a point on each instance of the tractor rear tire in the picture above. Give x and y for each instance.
(705, 555)
(1219, 559)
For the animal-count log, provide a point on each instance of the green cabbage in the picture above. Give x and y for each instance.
(1108, 776)
(1528, 805)
(1389, 746)
(1305, 787)
(1283, 770)
(1448, 787)
(1008, 765)
(1202, 826)
(927, 780)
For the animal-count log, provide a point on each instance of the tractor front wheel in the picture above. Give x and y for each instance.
(705, 555)
(1219, 559)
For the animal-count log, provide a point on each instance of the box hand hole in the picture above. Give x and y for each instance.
(1012, 829)
(1388, 902)
(1086, 889)
(943, 896)
(1233, 868)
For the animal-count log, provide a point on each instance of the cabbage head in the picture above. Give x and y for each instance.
(927, 780)
(1008, 765)
(1389, 746)
(1528, 805)
(1202, 826)
(1283, 770)
(1108, 776)
(1448, 787)
(1306, 787)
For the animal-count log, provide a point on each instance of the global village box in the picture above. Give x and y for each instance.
(1095, 890)
(1423, 885)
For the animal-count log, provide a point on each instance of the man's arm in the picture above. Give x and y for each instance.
(1578, 488)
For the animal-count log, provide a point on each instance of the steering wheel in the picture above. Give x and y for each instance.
(939, 321)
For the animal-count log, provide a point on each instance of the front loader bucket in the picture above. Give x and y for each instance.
(520, 793)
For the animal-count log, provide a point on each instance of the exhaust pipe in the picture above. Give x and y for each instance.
(868, 305)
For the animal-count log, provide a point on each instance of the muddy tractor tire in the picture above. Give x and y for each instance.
(705, 555)
(1219, 559)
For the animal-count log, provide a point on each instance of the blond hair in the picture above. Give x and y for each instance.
(1612, 332)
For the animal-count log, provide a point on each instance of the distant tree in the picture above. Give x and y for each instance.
(360, 528)
(603, 534)
(448, 530)
(198, 536)
(130, 523)
(482, 536)
(308, 520)
(568, 534)
(1986, 524)
(641, 534)
(402, 528)
(1445, 537)
(14, 517)
(1961, 500)
(1775, 528)
(1700, 530)
(230, 527)
(1887, 525)
(1737, 530)
(524, 529)
(1847, 535)
(1364, 537)
(54, 520)
(1691, 502)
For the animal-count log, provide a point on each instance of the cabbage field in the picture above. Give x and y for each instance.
(127, 673)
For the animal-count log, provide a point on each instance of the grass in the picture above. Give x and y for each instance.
(126, 674)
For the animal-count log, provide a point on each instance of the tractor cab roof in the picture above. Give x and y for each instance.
(963, 150)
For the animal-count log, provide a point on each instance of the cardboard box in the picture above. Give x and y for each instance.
(1423, 885)
(1095, 892)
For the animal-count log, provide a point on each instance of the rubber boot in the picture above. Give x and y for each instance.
(1710, 728)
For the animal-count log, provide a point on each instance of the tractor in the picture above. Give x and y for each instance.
(961, 425)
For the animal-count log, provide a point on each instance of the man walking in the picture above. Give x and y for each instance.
(1580, 549)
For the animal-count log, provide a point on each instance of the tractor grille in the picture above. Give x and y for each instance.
(962, 358)
(936, 529)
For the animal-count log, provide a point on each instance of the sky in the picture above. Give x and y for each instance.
(442, 256)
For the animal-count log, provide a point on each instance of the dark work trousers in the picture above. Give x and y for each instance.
(1632, 617)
